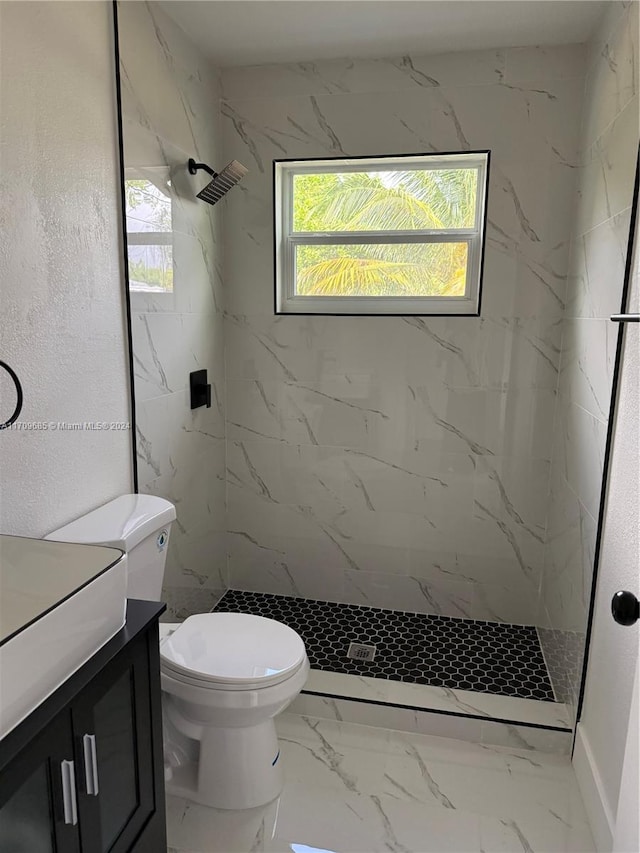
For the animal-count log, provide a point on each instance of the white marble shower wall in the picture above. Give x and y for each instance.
(608, 151)
(170, 106)
(401, 462)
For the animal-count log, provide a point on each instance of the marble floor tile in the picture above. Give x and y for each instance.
(358, 789)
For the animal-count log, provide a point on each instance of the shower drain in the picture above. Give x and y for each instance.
(360, 651)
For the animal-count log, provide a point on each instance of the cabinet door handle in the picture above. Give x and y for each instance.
(67, 771)
(90, 764)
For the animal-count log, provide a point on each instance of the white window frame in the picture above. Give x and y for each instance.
(286, 239)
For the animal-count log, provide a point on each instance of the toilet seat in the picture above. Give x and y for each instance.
(231, 651)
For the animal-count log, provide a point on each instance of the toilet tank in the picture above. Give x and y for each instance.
(140, 526)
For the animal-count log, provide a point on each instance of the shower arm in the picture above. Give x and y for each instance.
(195, 167)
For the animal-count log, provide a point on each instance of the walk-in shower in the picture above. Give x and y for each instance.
(429, 486)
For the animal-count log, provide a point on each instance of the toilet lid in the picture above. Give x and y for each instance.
(232, 648)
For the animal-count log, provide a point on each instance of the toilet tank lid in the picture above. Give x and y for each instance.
(122, 523)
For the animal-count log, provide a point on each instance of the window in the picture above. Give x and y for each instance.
(149, 230)
(380, 235)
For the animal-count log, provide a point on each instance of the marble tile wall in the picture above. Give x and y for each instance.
(401, 462)
(170, 105)
(608, 151)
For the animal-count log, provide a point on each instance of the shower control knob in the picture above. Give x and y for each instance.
(200, 389)
(625, 607)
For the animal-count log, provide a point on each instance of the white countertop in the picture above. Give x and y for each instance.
(36, 575)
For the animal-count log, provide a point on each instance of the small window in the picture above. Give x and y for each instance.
(380, 235)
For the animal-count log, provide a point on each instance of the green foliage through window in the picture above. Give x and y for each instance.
(388, 201)
(149, 233)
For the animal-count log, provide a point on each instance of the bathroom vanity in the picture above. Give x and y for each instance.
(81, 771)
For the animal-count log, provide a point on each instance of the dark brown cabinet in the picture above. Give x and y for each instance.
(84, 773)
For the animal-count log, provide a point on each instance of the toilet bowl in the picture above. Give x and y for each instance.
(224, 676)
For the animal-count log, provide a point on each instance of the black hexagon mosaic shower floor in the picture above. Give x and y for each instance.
(489, 657)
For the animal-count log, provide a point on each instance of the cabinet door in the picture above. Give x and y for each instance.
(112, 732)
(38, 797)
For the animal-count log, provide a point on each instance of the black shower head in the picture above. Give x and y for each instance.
(221, 182)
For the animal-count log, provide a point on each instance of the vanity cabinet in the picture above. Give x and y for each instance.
(31, 805)
(84, 772)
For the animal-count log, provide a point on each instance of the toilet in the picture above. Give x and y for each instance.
(224, 676)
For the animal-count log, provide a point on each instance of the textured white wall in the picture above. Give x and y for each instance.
(62, 322)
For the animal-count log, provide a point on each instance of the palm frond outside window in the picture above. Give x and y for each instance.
(394, 235)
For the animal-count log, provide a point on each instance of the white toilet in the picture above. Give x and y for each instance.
(224, 676)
